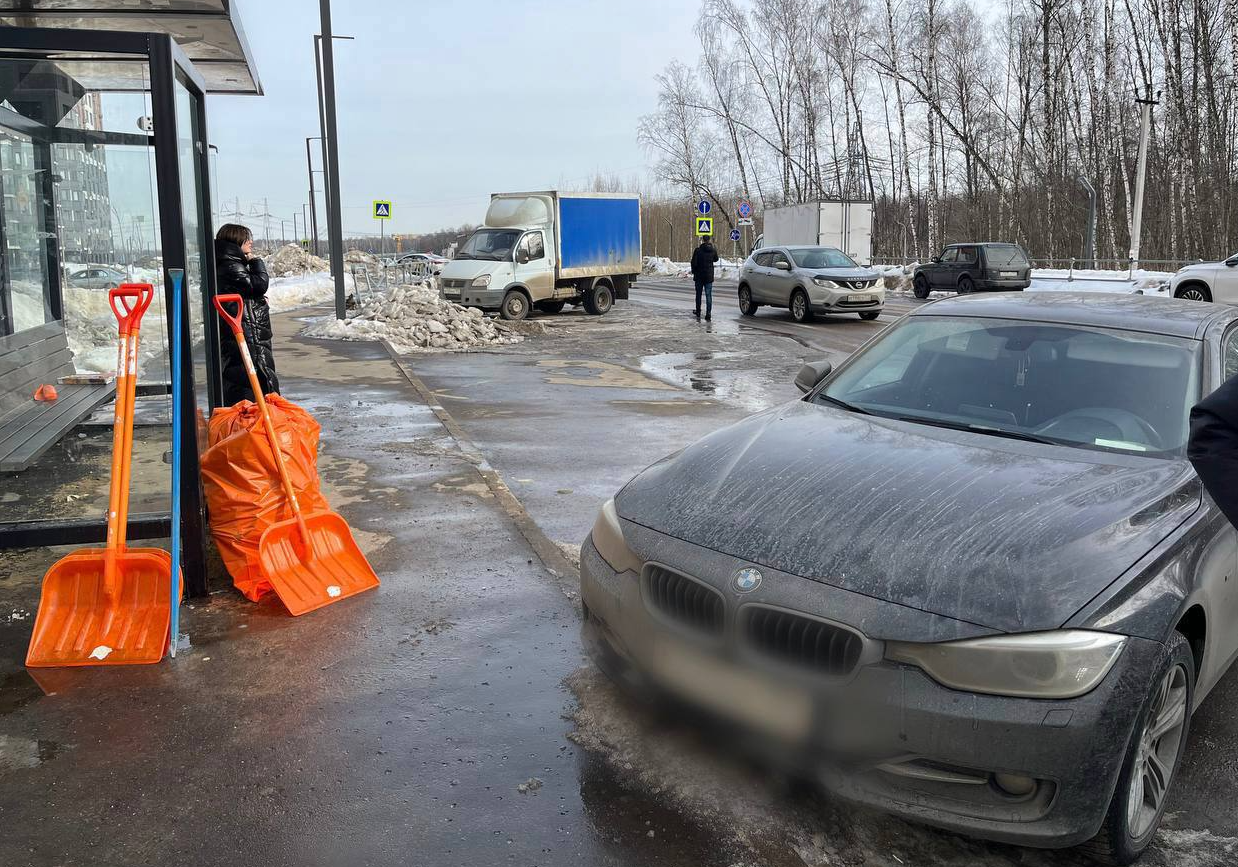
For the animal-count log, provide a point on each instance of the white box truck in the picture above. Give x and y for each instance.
(542, 250)
(847, 226)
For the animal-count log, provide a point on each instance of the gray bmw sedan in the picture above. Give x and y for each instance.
(970, 578)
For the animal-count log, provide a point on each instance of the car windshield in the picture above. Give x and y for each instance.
(821, 257)
(1001, 255)
(493, 244)
(1094, 388)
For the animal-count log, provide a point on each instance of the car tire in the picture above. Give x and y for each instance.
(1193, 292)
(870, 315)
(515, 305)
(1173, 687)
(599, 299)
(920, 287)
(798, 305)
(747, 306)
(966, 285)
(550, 306)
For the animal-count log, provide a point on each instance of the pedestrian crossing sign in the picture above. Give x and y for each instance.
(704, 225)
(382, 210)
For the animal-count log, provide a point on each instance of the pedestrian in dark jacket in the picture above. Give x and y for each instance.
(238, 271)
(1213, 447)
(703, 260)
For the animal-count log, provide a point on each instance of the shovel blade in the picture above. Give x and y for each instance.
(333, 567)
(81, 623)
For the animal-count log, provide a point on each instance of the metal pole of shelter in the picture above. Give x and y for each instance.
(313, 202)
(333, 165)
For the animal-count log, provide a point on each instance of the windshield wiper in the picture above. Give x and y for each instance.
(982, 429)
(842, 404)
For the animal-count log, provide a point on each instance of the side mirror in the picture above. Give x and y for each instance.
(782, 266)
(522, 257)
(936, 260)
(1231, 261)
(811, 374)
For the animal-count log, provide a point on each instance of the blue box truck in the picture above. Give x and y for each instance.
(544, 250)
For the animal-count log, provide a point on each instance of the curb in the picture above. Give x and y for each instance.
(553, 559)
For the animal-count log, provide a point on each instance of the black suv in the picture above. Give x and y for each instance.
(971, 267)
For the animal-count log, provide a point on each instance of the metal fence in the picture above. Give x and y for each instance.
(369, 278)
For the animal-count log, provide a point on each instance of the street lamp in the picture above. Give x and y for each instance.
(324, 64)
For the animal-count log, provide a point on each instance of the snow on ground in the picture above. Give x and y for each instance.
(660, 266)
(415, 319)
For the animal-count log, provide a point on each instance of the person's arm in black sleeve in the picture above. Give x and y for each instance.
(1213, 446)
(715, 253)
(234, 276)
(259, 280)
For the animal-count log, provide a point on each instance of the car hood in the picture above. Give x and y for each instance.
(843, 273)
(1199, 267)
(1008, 535)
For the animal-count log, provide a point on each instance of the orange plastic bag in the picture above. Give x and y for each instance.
(242, 487)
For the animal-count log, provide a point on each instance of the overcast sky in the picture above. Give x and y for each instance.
(442, 103)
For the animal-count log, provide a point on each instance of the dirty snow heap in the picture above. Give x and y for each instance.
(291, 261)
(415, 318)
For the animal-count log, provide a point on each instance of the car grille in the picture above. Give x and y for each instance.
(453, 284)
(802, 641)
(684, 600)
(856, 284)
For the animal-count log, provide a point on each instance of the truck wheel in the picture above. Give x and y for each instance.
(515, 305)
(550, 306)
(599, 299)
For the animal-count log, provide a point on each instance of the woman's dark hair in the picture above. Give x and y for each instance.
(235, 233)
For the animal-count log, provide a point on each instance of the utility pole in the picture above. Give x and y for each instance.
(1141, 170)
(313, 202)
(1089, 230)
(326, 92)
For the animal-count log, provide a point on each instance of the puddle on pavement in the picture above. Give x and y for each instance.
(669, 408)
(466, 484)
(17, 689)
(18, 753)
(597, 374)
(707, 373)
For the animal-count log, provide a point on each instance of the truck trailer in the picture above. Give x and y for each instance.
(846, 226)
(544, 250)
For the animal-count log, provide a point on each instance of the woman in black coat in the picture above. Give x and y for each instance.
(238, 271)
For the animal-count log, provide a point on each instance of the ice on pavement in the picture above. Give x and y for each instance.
(416, 319)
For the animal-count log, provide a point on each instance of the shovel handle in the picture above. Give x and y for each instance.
(234, 321)
(129, 301)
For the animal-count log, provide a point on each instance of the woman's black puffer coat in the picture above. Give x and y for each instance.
(249, 280)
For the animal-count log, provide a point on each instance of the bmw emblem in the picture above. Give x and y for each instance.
(747, 580)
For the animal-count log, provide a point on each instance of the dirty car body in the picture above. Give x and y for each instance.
(949, 595)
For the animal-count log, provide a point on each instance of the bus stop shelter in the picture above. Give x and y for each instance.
(104, 178)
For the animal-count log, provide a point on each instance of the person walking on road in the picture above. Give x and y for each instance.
(238, 270)
(703, 259)
(1213, 446)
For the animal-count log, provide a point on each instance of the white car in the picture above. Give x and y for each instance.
(1207, 281)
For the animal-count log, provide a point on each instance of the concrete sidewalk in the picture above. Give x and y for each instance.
(395, 727)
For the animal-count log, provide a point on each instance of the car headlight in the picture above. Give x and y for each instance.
(1060, 664)
(481, 282)
(825, 282)
(607, 537)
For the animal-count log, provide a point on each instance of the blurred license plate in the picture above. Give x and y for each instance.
(1010, 273)
(732, 692)
(863, 297)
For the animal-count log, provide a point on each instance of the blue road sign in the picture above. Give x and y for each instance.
(735, 234)
(745, 209)
(703, 207)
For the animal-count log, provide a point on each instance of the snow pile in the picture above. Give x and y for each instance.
(290, 261)
(360, 257)
(660, 266)
(289, 293)
(1062, 280)
(415, 318)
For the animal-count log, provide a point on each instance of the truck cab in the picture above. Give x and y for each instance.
(514, 264)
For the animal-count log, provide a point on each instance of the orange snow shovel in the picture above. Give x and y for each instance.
(312, 559)
(109, 606)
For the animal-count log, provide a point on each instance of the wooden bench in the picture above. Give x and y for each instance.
(28, 427)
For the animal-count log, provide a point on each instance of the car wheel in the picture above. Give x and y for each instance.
(599, 299)
(515, 305)
(1193, 292)
(870, 315)
(746, 305)
(550, 306)
(920, 286)
(966, 285)
(799, 306)
(1151, 761)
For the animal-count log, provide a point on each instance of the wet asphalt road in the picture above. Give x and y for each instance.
(400, 726)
